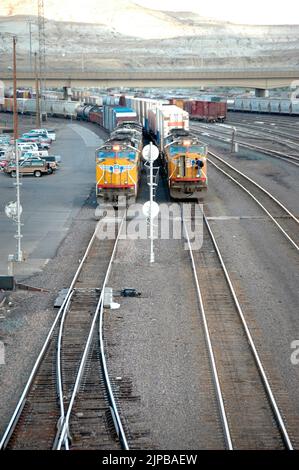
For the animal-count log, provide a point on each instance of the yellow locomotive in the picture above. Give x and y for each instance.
(185, 158)
(118, 164)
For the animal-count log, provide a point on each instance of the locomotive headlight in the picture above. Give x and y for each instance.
(186, 143)
(116, 148)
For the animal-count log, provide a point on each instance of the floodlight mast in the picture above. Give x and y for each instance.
(18, 236)
(152, 257)
(150, 154)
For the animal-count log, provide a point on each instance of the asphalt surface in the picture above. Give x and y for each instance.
(49, 203)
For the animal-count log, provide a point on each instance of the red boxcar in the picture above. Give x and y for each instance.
(206, 110)
(96, 116)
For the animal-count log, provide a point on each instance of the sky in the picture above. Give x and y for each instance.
(240, 11)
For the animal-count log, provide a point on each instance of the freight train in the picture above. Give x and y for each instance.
(286, 106)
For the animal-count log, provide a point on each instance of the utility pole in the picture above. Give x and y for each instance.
(15, 110)
(42, 49)
(37, 97)
(18, 236)
(30, 44)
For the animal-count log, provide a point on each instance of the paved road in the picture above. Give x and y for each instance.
(49, 203)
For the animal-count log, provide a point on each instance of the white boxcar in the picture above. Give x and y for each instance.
(295, 107)
(238, 104)
(275, 105)
(264, 105)
(247, 104)
(285, 106)
(255, 103)
(169, 117)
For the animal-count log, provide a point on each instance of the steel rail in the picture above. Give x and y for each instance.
(267, 387)
(257, 185)
(269, 130)
(65, 427)
(260, 204)
(219, 130)
(14, 419)
(226, 430)
(59, 371)
(272, 153)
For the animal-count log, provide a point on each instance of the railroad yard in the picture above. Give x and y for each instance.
(200, 355)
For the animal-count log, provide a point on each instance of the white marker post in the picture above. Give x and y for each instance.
(151, 209)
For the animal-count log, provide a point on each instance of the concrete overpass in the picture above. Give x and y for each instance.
(249, 78)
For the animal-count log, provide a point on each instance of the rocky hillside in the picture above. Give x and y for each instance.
(119, 33)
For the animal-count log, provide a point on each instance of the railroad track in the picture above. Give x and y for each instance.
(282, 217)
(250, 415)
(68, 401)
(293, 160)
(291, 122)
(270, 129)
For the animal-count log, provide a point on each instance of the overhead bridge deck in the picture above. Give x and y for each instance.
(249, 78)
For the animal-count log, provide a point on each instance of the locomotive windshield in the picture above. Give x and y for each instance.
(175, 149)
(103, 154)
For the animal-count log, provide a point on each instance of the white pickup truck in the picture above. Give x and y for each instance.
(36, 153)
(50, 132)
(32, 147)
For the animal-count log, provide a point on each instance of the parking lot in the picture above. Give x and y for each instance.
(51, 202)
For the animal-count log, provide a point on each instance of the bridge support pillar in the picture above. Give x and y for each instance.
(67, 93)
(261, 93)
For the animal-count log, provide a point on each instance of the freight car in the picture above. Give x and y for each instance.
(163, 119)
(265, 105)
(143, 107)
(204, 110)
(118, 165)
(96, 115)
(185, 160)
(114, 115)
(57, 108)
(83, 112)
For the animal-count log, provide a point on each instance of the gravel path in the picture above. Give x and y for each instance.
(156, 341)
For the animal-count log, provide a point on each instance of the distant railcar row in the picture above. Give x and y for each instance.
(265, 105)
(205, 110)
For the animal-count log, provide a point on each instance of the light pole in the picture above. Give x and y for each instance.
(30, 44)
(151, 209)
(18, 236)
(37, 94)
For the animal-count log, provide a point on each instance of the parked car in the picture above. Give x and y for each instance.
(3, 162)
(36, 167)
(22, 146)
(41, 144)
(43, 136)
(37, 153)
(50, 132)
(51, 159)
